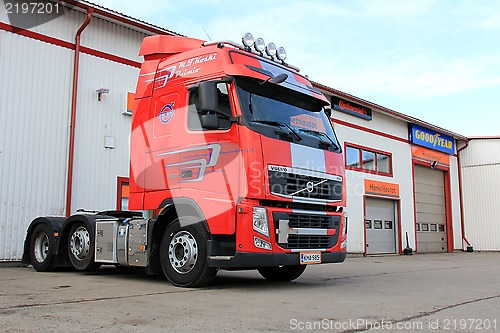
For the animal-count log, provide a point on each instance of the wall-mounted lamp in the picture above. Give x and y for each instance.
(434, 164)
(101, 91)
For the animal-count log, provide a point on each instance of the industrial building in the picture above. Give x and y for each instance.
(65, 112)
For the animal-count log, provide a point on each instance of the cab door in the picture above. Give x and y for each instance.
(209, 160)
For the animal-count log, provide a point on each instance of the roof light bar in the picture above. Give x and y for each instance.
(258, 44)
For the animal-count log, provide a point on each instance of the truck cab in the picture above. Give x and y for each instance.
(234, 151)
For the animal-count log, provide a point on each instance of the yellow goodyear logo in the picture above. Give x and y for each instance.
(435, 140)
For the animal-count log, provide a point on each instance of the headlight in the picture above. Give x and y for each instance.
(271, 49)
(247, 40)
(259, 44)
(260, 221)
(281, 53)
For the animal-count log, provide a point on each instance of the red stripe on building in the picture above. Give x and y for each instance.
(68, 45)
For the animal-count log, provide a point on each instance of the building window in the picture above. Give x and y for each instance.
(130, 104)
(368, 160)
(352, 157)
(123, 190)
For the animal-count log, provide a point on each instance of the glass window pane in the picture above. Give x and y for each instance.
(352, 157)
(384, 162)
(368, 160)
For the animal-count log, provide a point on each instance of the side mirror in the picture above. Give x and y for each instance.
(208, 96)
(328, 112)
(210, 121)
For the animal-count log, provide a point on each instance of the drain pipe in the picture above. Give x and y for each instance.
(462, 219)
(72, 128)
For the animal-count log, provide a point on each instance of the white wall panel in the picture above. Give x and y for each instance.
(380, 122)
(480, 183)
(113, 38)
(34, 114)
(63, 27)
(96, 167)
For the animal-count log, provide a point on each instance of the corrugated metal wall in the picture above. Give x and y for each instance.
(34, 114)
(97, 167)
(35, 104)
(480, 163)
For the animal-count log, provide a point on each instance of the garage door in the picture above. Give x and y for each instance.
(380, 226)
(431, 210)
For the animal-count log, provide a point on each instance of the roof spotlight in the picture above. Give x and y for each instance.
(259, 44)
(247, 40)
(271, 49)
(281, 53)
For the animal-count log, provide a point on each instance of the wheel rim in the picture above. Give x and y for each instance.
(183, 252)
(79, 243)
(41, 247)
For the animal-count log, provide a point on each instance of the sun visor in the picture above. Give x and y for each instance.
(252, 66)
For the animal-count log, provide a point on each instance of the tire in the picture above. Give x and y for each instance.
(42, 246)
(81, 244)
(282, 273)
(183, 254)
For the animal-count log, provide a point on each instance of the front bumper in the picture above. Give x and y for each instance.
(254, 260)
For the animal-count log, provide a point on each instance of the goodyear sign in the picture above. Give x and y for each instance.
(431, 139)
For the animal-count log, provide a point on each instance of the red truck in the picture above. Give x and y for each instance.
(233, 151)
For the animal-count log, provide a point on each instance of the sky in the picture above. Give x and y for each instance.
(435, 60)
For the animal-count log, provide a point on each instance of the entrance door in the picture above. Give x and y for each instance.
(380, 226)
(431, 228)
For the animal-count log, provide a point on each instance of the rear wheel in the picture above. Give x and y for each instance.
(183, 254)
(42, 244)
(282, 273)
(81, 245)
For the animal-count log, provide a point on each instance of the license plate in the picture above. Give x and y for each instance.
(307, 258)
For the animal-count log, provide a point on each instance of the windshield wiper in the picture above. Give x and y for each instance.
(278, 123)
(320, 134)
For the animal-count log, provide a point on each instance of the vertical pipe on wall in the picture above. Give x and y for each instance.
(71, 153)
(462, 219)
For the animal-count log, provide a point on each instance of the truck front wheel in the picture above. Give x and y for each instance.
(183, 254)
(42, 244)
(282, 273)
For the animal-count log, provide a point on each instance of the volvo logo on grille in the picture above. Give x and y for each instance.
(310, 185)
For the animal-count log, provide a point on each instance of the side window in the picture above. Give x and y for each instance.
(224, 107)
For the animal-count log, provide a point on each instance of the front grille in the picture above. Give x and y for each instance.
(309, 221)
(308, 242)
(302, 186)
(304, 220)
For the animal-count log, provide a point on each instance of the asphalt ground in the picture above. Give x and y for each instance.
(457, 292)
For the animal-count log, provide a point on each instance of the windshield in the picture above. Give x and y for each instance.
(283, 114)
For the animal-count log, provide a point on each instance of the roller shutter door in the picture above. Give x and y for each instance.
(431, 210)
(380, 226)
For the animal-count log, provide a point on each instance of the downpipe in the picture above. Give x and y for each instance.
(72, 127)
